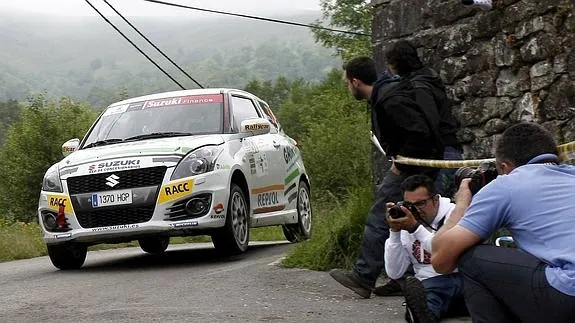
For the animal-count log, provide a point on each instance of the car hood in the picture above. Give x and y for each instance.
(146, 151)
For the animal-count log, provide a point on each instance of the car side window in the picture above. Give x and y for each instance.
(243, 109)
(269, 114)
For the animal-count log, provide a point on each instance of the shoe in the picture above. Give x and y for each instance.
(483, 4)
(349, 280)
(391, 288)
(416, 302)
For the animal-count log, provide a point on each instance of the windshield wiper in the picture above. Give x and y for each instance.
(158, 135)
(103, 142)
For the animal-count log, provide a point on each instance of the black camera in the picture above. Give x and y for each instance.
(480, 176)
(395, 212)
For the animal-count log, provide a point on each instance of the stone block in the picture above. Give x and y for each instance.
(539, 47)
(560, 103)
(510, 83)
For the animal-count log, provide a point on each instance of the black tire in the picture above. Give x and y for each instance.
(67, 256)
(301, 230)
(154, 245)
(234, 237)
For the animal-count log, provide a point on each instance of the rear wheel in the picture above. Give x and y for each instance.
(67, 256)
(154, 245)
(301, 230)
(233, 238)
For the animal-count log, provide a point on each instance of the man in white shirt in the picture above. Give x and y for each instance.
(429, 295)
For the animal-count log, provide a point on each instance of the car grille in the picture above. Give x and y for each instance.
(126, 179)
(114, 216)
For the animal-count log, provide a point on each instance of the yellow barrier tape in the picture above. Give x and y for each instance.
(564, 151)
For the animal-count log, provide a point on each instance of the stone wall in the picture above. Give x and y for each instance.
(515, 62)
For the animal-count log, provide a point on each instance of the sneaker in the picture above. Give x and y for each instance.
(483, 4)
(416, 302)
(391, 288)
(351, 281)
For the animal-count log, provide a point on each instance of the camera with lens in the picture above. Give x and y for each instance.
(395, 212)
(480, 176)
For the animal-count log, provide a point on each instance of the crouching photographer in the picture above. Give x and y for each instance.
(534, 199)
(429, 295)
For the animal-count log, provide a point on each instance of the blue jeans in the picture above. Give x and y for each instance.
(444, 183)
(445, 295)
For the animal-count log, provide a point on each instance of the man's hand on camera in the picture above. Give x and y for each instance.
(463, 196)
(407, 223)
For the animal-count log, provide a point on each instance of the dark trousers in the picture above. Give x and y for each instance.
(508, 285)
(370, 263)
(445, 295)
(444, 183)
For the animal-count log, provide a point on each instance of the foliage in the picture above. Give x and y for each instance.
(9, 112)
(338, 230)
(19, 240)
(350, 15)
(32, 145)
(332, 129)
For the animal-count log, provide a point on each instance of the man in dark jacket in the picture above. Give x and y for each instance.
(428, 91)
(401, 128)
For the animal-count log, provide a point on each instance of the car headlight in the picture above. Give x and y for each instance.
(199, 161)
(51, 182)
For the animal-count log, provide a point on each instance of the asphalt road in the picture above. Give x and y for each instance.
(189, 283)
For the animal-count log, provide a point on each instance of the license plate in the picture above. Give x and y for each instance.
(112, 198)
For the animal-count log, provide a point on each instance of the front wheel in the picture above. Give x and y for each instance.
(233, 238)
(67, 256)
(301, 230)
(154, 245)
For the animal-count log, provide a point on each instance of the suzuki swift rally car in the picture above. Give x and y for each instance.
(196, 162)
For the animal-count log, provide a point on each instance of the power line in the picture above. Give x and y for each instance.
(259, 18)
(139, 50)
(150, 42)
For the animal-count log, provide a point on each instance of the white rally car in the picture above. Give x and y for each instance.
(196, 162)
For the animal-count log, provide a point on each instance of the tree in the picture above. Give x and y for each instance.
(32, 145)
(351, 15)
(9, 112)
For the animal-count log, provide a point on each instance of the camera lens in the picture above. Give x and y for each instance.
(396, 212)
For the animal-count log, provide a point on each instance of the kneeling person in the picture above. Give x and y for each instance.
(429, 295)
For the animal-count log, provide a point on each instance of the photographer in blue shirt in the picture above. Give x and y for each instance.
(533, 198)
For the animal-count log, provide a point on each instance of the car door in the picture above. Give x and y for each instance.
(287, 166)
(262, 160)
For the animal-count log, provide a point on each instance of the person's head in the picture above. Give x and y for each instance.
(402, 58)
(360, 74)
(420, 191)
(520, 143)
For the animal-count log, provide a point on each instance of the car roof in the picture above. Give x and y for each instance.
(171, 94)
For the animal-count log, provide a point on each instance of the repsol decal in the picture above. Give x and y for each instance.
(267, 199)
(54, 202)
(175, 190)
(289, 154)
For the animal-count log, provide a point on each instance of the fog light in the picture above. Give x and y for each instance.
(196, 206)
(50, 221)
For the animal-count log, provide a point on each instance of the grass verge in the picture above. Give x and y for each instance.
(337, 232)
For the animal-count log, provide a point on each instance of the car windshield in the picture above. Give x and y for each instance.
(168, 117)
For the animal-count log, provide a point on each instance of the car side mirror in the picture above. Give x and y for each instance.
(256, 126)
(70, 146)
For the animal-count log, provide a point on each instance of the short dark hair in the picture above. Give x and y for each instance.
(523, 141)
(361, 68)
(402, 55)
(414, 182)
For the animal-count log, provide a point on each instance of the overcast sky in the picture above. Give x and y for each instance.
(142, 8)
